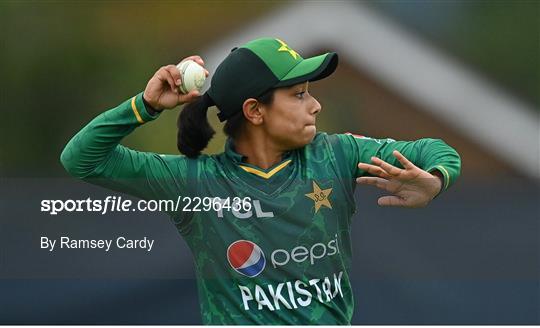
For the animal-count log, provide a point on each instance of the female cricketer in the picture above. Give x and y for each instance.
(267, 220)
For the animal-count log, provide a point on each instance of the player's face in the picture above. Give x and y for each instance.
(290, 120)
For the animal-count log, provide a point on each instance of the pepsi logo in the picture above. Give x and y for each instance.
(246, 258)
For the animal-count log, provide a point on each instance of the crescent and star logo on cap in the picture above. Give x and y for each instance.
(286, 48)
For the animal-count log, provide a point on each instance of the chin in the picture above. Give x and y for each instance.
(310, 132)
(301, 138)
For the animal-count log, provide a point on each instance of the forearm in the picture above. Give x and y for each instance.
(436, 155)
(96, 141)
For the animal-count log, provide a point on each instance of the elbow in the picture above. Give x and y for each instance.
(67, 161)
(453, 159)
(71, 164)
(458, 165)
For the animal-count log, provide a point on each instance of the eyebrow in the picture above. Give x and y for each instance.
(304, 86)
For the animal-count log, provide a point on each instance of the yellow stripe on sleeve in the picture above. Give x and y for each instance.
(446, 176)
(135, 111)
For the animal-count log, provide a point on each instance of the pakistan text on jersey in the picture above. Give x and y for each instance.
(291, 294)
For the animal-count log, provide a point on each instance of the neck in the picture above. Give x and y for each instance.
(259, 150)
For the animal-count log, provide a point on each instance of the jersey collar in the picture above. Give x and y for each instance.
(239, 161)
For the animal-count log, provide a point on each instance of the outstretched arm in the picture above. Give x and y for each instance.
(410, 187)
(413, 171)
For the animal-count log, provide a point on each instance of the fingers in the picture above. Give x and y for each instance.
(175, 73)
(390, 169)
(170, 75)
(195, 58)
(391, 201)
(384, 185)
(374, 181)
(408, 165)
(373, 170)
(189, 97)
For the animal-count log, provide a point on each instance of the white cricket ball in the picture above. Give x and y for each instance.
(192, 74)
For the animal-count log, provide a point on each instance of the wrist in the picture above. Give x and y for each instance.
(440, 181)
(151, 110)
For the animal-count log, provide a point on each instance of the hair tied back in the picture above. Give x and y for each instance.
(207, 101)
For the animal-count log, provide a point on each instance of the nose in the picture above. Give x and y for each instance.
(316, 107)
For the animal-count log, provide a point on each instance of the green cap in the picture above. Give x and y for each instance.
(260, 65)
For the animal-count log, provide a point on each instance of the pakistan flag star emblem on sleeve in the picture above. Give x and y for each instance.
(320, 196)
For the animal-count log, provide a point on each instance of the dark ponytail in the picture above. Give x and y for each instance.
(194, 130)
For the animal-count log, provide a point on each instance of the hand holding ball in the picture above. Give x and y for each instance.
(173, 85)
(193, 76)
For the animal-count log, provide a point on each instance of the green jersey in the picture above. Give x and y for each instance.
(276, 246)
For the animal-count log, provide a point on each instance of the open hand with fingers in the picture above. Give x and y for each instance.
(410, 186)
